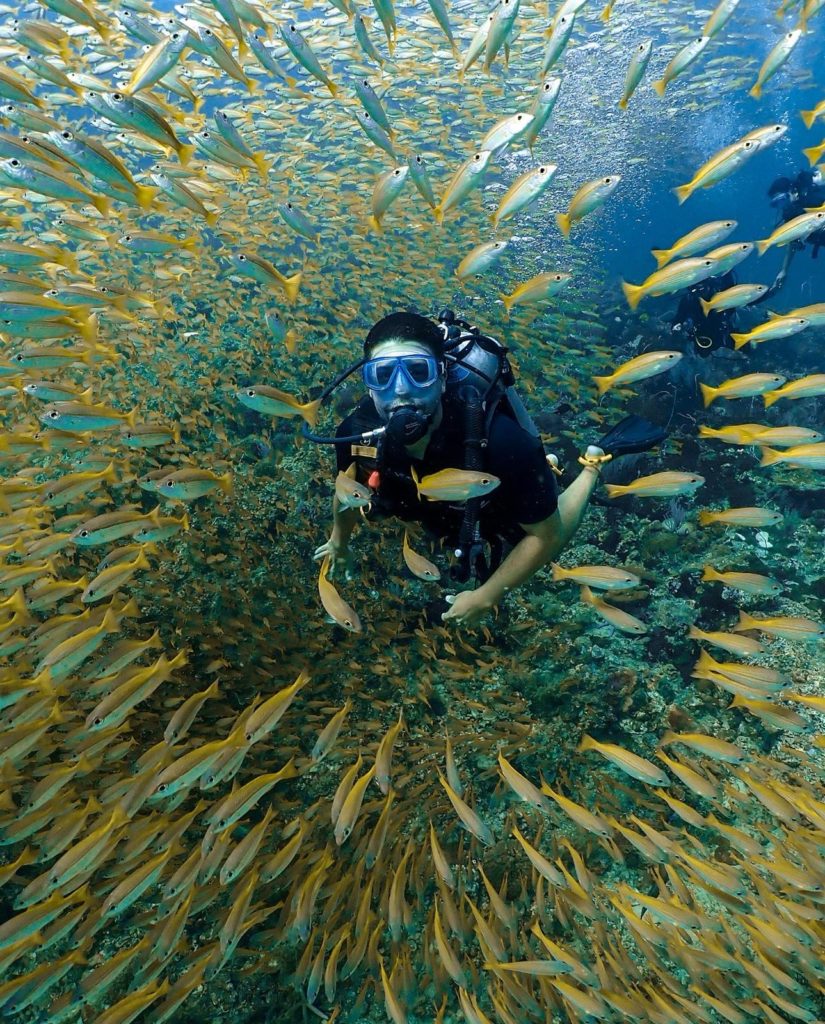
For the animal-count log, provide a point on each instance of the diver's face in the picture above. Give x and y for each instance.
(403, 392)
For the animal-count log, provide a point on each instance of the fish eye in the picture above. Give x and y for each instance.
(250, 392)
(14, 162)
(51, 292)
(207, 31)
(54, 415)
(162, 787)
(84, 533)
(127, 238)
(607, 181)
(117, 97)
(97, 721)
(169, 483)
(242, 258)
(65, 135)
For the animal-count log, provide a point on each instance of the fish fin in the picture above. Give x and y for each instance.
(660, 85)
(263, 165)
(693, 634)
(508, 302)
(661, 256)
(683, 192)
(103, 205)
(605, 16)
(745, 622)
(310, 412)
(755, 91)
(615, 490)
(623, 103)
(706, 307)
(375, 223)
(144, 195)
(808, 117)
(211, 218)
(587, 743)
(558, 572)
(185, 153)
(706, 517)
(438, 213)
(708, 393)
(709, 573)
(225, 482)
(769, 398)
(586, 595)
(602, 383)
(762, 245)
(333, 88)
(770, 456)
(633, 293)
(563, 221)
(292, 285)
(416, 481)
(739, 340)
(813, 154)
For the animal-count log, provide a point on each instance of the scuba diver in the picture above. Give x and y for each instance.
(710, 331)
(442, 396)
(792, 197)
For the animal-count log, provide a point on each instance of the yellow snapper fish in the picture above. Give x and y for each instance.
(334, 605)
(659, 485)
(537, 289)
(603, 577)
(418, 565)
(617, 617)
(637, 66)
(454, 484)
(733, 298)
(747, 582)
(771, 330)
(479, 259)
(683, 59)
(719, 166)
(639, 368)
(350, 492)
(805, 456)
(671, 278)
(742, 387)
(746, 516)
(465, 179)
(789, 627)
(589, 197)
(730, 642)
(734, 433)
(272, 402)
(795, 230)
(774, 61)
(811, 386)
(637, 767)
(814, 314)
(695, 241)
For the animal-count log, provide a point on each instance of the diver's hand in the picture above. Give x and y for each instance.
(779, 280)
(340, 556)
(467, 607)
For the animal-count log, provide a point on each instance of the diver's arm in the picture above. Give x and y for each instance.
(344, 521)
(544, 540)
(779, 280)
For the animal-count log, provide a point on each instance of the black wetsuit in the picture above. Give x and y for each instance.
(713, 331)
(807, 198)
(527, 492)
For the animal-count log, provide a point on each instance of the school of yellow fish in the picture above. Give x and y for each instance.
(201, 778)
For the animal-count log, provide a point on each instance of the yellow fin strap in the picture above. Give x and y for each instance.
(595, 461)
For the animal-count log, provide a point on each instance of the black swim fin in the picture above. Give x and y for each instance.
(632, 434)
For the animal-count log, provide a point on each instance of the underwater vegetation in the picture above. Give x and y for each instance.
(606, 802)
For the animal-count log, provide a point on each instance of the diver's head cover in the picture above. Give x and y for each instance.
(405, 374)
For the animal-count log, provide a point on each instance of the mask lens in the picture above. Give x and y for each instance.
(378, 373)
(420, 370)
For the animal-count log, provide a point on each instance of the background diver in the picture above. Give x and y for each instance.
(442, 396)
(793, 197)
(711, 331)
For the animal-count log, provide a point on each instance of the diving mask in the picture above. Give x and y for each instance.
(419, 370)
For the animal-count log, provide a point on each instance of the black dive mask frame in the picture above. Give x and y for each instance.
(459, 337)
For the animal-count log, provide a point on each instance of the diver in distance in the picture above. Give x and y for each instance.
(442, 396)
(792, 197)
(706, 331)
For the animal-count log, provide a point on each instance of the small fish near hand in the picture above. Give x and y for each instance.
(454, 484)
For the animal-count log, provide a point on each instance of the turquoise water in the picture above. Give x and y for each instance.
(495, 870)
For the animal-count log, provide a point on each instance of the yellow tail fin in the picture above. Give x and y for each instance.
(770, 456)
(709, 573)
(660, 85)
(633, 293)
(739, 340)
(770, 397)
(683, 192)
(756, 91)
(706, 517)
(563, 221)
(603, 383)
(706, 306)
(623, 103)
(808, 116)
(762, 245)
(814, 153)
(292, 286)
(708, 393)
(616, 490)
(662, 256)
